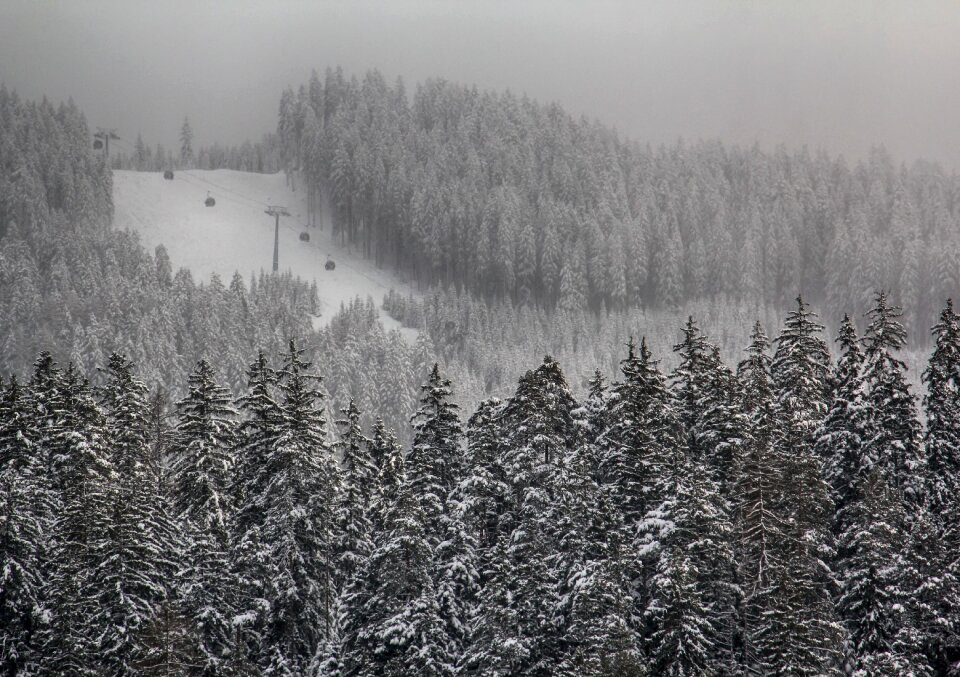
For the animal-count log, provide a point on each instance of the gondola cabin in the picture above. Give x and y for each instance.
(168, 175)
(330, 264)
(304, 236)
(97, 144)
(209, 201)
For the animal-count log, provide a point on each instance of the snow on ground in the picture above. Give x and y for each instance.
(236, 234)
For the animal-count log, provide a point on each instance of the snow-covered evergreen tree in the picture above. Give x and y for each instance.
(782, 509)
(138, 560)
(435, 464)
(844, 431)
(872, 600)
(22, 614)
(937, 537)
(942, 407)
(758, 501)
(691, 536)
(387, 456)
(354, 528)
(894, 438)
(392, 623)
(203, 448)
(287, 539)
(593, 559)
(641, 429)
(540, 429)
(79, 531)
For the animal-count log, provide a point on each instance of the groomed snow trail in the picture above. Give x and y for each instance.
(236, 234)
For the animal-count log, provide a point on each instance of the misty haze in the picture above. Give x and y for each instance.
(479, 338)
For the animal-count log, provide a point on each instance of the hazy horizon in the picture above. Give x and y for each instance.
(839, 76)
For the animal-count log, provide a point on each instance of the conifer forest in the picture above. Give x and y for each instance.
(559, 401)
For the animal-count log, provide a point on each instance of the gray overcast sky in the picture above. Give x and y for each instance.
(838, 75)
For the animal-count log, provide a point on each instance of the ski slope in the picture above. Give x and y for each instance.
(236, 234)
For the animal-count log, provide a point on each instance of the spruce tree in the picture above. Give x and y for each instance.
(203, 450)
(843, 434)
(942, 407)
(711, 428)
(894, 439)
(872, 598)
(21, 535)
(641, 432)
(387, 457)
(287, 539)
(936, 535)
(540, 431)
(759, 505)
(481, 495)
(435, 464)
(594, 552)
(135, 566)
(359, 490)
(688, 382)
(391, 622)
(80, 531)
(691, 536)
(641, 429)
(802, 634)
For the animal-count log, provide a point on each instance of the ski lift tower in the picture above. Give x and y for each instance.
(276, 211)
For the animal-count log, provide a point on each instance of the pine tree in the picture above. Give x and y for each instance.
(481, 495)
(759, 505)
(872, 600)
(843, 433)
(186, 144)
(942, 378)
(203, 446)
(641, 429)
(287, 539)
(458, 567)
(688, 382)
(21, 535)
(435, 464)
(359, 490)
(387, 457)
(799, 369)
(255, 439)
(691, 536)
(894, 431)
(540, 432)
(135, 566)
(591, 419)
(802, 634)
(593, 557)
(936, 534)
(79, 531)
(392, 622)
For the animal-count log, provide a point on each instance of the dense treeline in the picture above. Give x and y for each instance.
(794, 516)
(49, 179)
(263, 156)
(513, 199)
(484, 343)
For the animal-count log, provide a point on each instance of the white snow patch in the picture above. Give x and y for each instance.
(236, 234)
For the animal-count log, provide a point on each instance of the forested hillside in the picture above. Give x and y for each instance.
(72, 286)
(790, 516)
(510, 198)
